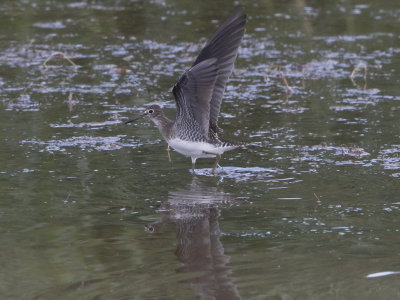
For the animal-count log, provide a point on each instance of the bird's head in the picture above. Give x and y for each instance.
(152, 112)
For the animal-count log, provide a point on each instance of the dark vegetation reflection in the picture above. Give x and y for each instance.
(195, 211)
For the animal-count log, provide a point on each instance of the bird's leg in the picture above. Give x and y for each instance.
(169, 154)
(193, 164)
(216, 165)
(218, 158)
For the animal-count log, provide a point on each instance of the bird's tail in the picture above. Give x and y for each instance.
(228, 143)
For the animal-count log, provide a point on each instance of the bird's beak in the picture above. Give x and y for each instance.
(136, 118)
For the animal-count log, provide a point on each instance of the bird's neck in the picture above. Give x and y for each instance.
(165, 126)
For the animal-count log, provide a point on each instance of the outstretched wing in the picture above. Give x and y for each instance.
(223, 46)
(193, 94)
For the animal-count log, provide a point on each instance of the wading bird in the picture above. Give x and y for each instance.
(198, 95)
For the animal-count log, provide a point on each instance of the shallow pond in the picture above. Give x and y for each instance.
(94, 209)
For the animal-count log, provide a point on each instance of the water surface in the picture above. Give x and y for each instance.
(94, 209)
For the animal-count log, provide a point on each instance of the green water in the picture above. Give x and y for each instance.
(93, 209)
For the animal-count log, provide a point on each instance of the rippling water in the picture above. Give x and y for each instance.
(94, 209)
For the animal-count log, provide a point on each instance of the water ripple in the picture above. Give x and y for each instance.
(86, 143)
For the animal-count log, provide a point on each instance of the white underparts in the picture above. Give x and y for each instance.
(197, 149)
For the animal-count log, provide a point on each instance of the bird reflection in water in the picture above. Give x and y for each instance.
(195, 212)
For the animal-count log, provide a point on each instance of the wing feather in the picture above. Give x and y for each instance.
(199, 91)
(223, 45)
(193, 94)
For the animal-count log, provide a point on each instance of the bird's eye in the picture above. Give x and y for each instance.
(150, 111)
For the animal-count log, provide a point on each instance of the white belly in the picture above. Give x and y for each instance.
(197, 149)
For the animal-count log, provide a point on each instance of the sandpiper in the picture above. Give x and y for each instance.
(198, 95)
